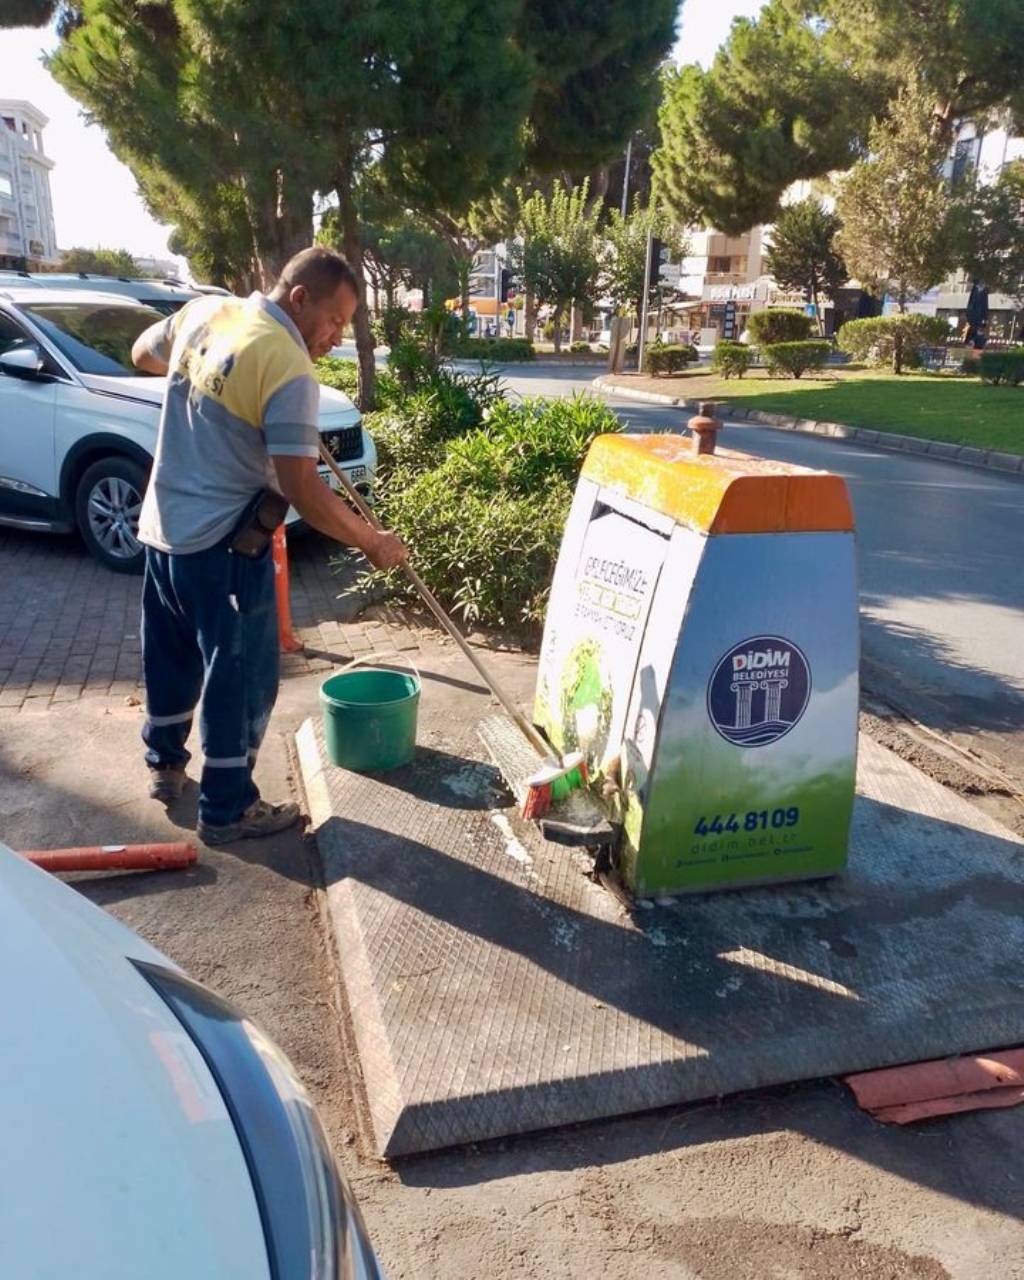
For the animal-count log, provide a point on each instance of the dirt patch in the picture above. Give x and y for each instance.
(948, 765)
(730, 1249)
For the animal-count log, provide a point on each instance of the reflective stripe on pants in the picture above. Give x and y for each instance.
(209, 634)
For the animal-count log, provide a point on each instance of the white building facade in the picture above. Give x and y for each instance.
(28, 239)
(983, 155)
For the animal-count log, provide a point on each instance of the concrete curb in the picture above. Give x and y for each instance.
(986, 459)
(550, 362)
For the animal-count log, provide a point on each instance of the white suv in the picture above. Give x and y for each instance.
(78, 422)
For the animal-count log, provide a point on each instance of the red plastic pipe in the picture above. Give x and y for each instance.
(114, 857)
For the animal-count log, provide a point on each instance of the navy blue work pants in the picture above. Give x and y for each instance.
(209, 631)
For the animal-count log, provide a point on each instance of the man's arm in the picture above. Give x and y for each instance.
(151, 348)
(320, 507)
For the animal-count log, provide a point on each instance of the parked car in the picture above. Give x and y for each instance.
(200, 288)
(164, 296)
(150, 1129)
(78, 422)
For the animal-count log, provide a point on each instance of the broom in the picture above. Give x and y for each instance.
(558, 775)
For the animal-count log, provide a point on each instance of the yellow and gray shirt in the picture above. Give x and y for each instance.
(240, 390)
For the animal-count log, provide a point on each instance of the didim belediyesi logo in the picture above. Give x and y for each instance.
(758, 690)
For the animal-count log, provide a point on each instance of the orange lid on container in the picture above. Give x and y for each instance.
(723, 492)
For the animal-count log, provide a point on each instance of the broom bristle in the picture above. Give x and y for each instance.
(548, 786)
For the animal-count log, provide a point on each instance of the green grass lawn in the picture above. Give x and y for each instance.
(932, 406)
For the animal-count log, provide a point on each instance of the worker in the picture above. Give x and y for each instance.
(238, 441)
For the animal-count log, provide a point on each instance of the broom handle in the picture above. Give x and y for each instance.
(428, 598)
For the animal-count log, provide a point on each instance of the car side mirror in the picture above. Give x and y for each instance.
(25, 361)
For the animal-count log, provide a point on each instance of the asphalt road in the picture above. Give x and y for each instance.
(941, 559)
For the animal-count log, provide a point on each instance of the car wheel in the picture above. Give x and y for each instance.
(107, 506)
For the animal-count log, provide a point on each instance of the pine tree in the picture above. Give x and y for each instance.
(772, 108)
(803, 254)
(792, 94)
(247, 108)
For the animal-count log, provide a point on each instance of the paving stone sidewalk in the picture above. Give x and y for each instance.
(69, 627)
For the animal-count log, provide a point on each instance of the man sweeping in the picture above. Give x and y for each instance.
(238, 442)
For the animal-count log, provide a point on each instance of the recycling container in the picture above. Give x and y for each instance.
(701, 647)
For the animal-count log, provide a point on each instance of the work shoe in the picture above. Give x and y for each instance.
(260, 819)
(166, 783)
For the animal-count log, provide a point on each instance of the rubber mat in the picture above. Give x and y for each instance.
(495, 989)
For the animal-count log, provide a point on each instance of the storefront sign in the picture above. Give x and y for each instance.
(779, 298)
(728, 292)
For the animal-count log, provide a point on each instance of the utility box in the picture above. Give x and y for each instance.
(701, 648)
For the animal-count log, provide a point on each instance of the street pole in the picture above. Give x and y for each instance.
(625, 175)
(641, 342)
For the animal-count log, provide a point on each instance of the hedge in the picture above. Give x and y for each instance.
(494, 349)
(778, 324)
(485, 522)
(412, 428)
(795, 358)
(669, 358)
(1002, 366)
(342, 375)
(731, 359)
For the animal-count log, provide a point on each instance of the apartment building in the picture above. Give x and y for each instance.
(717, 286)
(28, 240)
(983, 155)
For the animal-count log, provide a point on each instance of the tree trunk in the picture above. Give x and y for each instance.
(819, 319)
(897, 341)
(464, 267)
(556, 321)
(576, 324)
(283, 226)
(530, 314)
(367, 395)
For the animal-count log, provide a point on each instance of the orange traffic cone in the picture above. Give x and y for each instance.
(290, 642)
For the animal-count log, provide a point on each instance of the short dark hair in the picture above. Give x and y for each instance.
(322, 272)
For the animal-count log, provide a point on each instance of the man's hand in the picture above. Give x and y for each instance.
(386, 552)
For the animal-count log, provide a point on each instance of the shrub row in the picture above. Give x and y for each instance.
(731, 359)
(412, 428)
(1002, 366)
(795, 358)
(483, 509)
(662, 358)
(507, 349)
(342, 375)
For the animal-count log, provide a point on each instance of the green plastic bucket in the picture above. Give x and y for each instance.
(370, 718)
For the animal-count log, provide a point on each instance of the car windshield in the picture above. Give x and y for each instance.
(96, 337)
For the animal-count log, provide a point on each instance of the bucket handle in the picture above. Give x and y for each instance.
(383, 657)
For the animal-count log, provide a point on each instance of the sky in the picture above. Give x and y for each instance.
(95, 202)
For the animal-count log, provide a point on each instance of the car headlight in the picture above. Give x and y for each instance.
(312, 1225)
